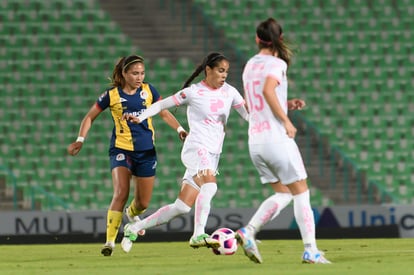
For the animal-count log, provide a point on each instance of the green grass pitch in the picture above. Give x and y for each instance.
(349, 256)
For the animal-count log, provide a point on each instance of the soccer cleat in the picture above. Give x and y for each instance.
(134, 219)
(126, 244)
(248, 243)
(129, 237)
(107, 249)
(204, 240)
(317, 257)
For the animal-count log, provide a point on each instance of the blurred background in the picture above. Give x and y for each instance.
(353, 66)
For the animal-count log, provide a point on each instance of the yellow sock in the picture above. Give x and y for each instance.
(113, 222)
(133, 211)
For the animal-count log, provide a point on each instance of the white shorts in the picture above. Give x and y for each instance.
(197, 159)
(188, 179)
(278, 162)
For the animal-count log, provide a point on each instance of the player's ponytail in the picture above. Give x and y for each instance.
(117, 79)
(197, 71)
(269, 34)
(210, 60)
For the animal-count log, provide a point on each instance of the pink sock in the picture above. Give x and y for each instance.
(202, 207)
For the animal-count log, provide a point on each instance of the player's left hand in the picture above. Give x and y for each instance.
(182, 135)
(296, 104)
(131, 118)
(74, 148)
(290, 129)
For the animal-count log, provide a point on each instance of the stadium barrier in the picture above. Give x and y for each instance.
(366, 221)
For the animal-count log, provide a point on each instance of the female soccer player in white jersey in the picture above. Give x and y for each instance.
(209, 103)
(271, 142)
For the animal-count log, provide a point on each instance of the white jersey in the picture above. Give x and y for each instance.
(264, 127)
(207, 112)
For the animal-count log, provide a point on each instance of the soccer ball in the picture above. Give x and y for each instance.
(227, 239)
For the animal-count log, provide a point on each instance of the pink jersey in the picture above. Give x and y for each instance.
(207, 112)
(264, 127)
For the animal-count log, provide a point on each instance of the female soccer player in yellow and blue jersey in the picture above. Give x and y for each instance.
(131, 151)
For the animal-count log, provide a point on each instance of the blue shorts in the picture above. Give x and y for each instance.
(141, 164)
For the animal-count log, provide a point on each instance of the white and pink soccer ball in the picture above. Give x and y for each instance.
(227, 239)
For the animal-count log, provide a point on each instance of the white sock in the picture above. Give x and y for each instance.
(305, 219)
(202, 207)
(162, 215)
(268, 210)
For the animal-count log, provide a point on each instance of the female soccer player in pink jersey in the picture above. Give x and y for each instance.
(272, 147)
(209, 103)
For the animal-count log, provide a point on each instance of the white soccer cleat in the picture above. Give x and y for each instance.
(248, 243)
(128, 239)
(134, 219)
(316, 257)
(126, 244)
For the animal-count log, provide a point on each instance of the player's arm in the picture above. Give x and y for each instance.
(173, 123)
(86, 124)
(274, 104)
(160, 107)
(242, 111)
(151, 111)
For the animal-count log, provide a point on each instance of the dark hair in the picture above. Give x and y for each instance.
(123, 65)
(212, 60)
(270, 35)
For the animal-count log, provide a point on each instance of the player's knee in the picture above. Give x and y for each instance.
(120, 197)
(181, 207)
(281, 196)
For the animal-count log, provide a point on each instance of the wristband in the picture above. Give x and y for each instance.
(180, 129)
(80, 139)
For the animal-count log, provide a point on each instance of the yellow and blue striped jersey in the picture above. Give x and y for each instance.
(127, 135)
